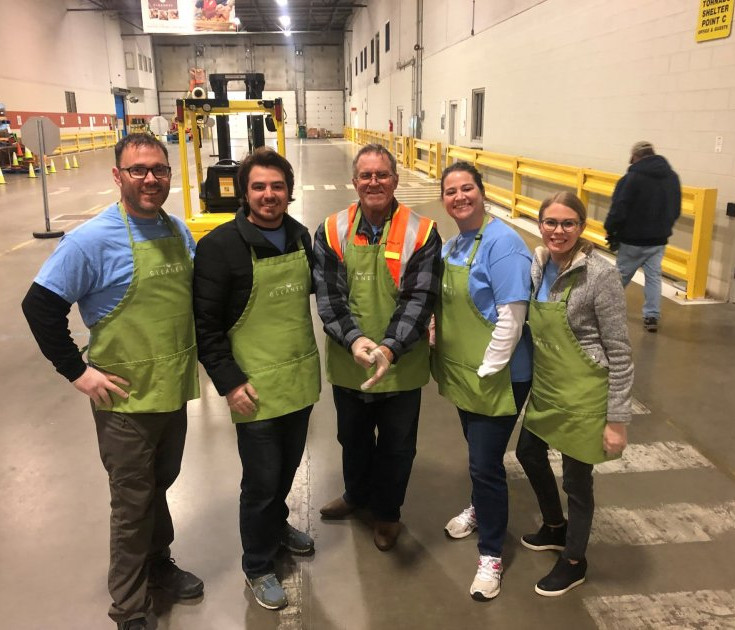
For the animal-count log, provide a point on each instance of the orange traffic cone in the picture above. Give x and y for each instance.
(74, 163)
(67, 167)
(31, 170)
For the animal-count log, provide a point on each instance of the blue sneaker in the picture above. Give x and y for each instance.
(268, 591)
(296, 541)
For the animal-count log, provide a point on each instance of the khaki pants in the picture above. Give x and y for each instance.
(142, 455)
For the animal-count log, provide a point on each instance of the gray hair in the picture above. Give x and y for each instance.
(380, 150)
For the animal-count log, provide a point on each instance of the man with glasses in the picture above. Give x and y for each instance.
(130, 269)
(377, 273)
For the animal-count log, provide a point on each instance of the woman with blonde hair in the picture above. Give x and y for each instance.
(582, 380)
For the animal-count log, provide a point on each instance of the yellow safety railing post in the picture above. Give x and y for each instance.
(516, 191)
(698, 264)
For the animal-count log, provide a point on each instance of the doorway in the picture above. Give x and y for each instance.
(120, 113)
(452, 121)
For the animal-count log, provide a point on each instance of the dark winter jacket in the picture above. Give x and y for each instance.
(645, 204)
(223, 282)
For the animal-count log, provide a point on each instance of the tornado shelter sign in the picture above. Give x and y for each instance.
(714, 19)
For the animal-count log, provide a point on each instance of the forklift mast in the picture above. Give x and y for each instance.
(254, 84)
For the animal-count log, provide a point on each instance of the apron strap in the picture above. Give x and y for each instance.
(476, 244)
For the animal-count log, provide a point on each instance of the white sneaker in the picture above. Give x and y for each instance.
(462, 525)
(486, 584)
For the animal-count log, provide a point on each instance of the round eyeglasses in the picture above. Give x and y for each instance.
(567, 225)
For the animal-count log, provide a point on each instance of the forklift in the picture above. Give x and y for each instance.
(219, 193)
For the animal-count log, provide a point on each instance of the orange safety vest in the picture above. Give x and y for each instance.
(408, 232)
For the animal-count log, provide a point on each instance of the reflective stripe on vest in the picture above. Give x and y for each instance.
(408, 232)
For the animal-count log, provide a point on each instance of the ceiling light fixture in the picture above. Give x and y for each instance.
(281, 3)
(285, 20)
(287, 32)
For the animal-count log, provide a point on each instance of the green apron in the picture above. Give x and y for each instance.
(462, 335)
(148, 338)
(273, 340)
(372, 301)
(568, 403)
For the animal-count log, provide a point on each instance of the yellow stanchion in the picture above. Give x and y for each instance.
(74, 163)
(52, 168)
(2, 177)
(67, 166)
(31, 171)
(15, 159)
(28, 155)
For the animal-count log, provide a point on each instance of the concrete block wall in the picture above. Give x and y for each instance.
(572, 82)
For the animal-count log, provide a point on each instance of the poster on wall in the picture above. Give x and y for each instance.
(187, 17)
(714, 20)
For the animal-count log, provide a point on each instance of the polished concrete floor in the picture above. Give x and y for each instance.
(664, 536)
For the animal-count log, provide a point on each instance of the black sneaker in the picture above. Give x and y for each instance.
(650, 324)
(132, 624)
(180, 584)
(563, 577)
(546, 538)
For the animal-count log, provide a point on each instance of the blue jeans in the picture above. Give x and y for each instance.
(376, 469)
(270, 452)
(630, 259)
(487, 438)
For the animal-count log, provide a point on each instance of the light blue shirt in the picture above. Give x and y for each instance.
(500, 274)
(93, 264)
(551, 272)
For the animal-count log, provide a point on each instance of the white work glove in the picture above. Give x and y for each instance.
(361, 349)
(432, 332)
(506, 334)
(382, 362)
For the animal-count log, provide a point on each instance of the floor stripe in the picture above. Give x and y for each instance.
(290, 618)
(653, 457)
(18, 246)
(330, 187)
(307, 187)
(703, 610)
(672, 523)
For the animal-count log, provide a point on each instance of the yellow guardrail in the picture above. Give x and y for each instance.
(519, 173)
(86, 141)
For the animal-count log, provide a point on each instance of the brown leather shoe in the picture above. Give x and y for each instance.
(386, 534)
(339, 508)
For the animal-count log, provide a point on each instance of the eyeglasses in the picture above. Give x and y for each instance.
(381, 176)
(160, 171)
(567, 225)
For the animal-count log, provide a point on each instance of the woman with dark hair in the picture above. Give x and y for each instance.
(482, 359)
(582, 379)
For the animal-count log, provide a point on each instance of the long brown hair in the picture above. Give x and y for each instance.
(571, 201)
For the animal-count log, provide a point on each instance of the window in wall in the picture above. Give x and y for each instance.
(140, 61)
(387, 36)
(71, 101)
(150, 65)
(372, 51)
(364, 54)
(129, 61)
(356, 66)
(377, 55)
(478, 113)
